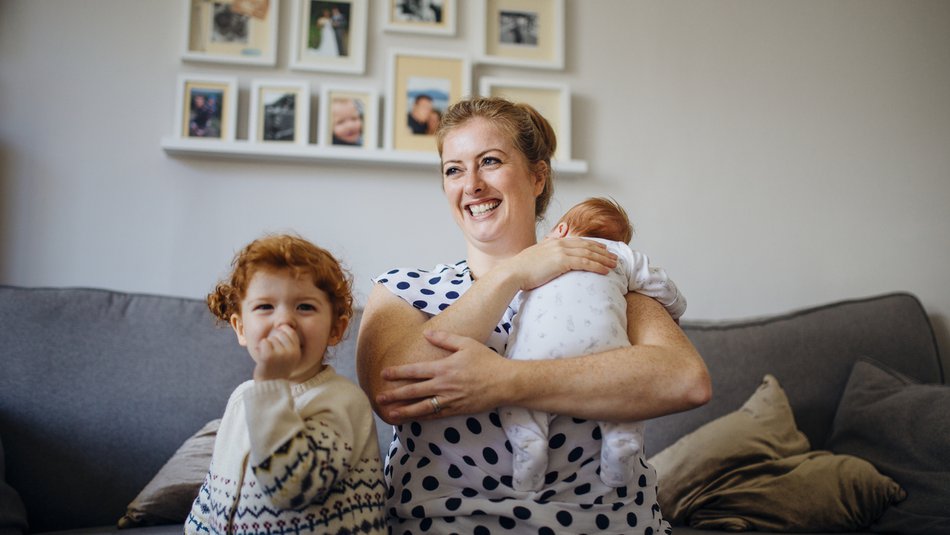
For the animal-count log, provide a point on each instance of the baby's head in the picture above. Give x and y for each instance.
(347, 120)
(283, 253)
(597, 217)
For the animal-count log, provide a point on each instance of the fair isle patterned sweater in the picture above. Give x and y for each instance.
(299, 458)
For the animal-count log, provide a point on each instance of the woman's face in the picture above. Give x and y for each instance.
(490, 187)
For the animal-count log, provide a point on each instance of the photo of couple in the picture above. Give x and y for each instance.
(329, 28)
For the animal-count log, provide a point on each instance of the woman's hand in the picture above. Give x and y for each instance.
(467, 381)
(549, 259)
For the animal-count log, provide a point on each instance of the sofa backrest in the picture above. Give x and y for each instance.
(98, 389)
(811, 353)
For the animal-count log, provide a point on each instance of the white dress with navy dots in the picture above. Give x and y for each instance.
(453, 475)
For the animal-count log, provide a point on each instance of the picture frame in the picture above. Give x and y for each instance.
(551, 99)
(207, 107)
(314, 47)
(349, 117)
(431, 17)
(522, 33)
(279, 112)
(231, 31)
(421, 83)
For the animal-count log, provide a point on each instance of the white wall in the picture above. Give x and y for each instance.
(773, 155)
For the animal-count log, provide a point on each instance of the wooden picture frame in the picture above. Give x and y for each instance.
(421, 83)
(551, 99)
(207, 107)
(280, 112)
(430, 17)
(231, 31)
(522, 33)
(329, 36)
(349, 117)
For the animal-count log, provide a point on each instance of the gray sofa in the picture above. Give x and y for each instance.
(99, 388)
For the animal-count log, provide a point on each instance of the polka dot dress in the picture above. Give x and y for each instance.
(453, 475)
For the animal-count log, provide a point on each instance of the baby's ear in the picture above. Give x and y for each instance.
(561, 229)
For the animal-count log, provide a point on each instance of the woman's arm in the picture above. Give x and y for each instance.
(392, 331)
(661, 373)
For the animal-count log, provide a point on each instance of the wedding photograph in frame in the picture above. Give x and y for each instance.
(329, 36)
(349, 117)
(434, 17)
(280, 112)
(523, 33)
(207, 107)
(551, 99)
(231, 31)
(420, 87)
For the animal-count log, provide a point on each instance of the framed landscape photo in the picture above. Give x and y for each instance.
(207, 107)
(231, 31)
(329, 36)
(436, 17)
(349, 117)
(280, 112)
(524, 33)
(552, 99)
(421, 86)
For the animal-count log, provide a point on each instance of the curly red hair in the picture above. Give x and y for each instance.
(283, 251)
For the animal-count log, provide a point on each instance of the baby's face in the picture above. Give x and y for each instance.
(347, 123)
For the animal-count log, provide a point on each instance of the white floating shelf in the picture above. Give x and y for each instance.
(244, 150)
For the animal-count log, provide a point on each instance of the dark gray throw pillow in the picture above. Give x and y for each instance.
(902, 427)
(12, 513)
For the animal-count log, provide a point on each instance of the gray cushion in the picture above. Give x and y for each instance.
(12, 513)
(902, 427)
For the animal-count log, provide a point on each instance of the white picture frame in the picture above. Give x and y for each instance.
(338, 105)
(279, 112)
(206, 107)
(521, 33)
(444, 78)
(427, 17)
(551, 99)
(314, 49)
(230, 31)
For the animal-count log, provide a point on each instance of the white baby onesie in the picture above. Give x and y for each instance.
(580, 313)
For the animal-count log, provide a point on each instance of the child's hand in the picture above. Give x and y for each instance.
(278, 354)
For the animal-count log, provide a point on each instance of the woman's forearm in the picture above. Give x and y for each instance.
(391, 331)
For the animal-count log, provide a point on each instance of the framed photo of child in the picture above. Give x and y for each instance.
(207, 107)
(280, 112)
(433, 17)
(552, 99)
(231, 31)
(329, 36)
(421, 86)
(523, 33)
(349, 117)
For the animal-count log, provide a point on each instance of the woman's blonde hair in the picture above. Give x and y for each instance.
(528, 130)
(283, 251)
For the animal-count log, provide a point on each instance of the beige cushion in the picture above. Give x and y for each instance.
(752, 470)
(167, 498)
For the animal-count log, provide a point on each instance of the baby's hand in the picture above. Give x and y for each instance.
(278, 354)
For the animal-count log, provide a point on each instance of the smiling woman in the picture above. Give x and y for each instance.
(430, 343)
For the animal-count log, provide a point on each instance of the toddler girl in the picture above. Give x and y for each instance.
(296, 449)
